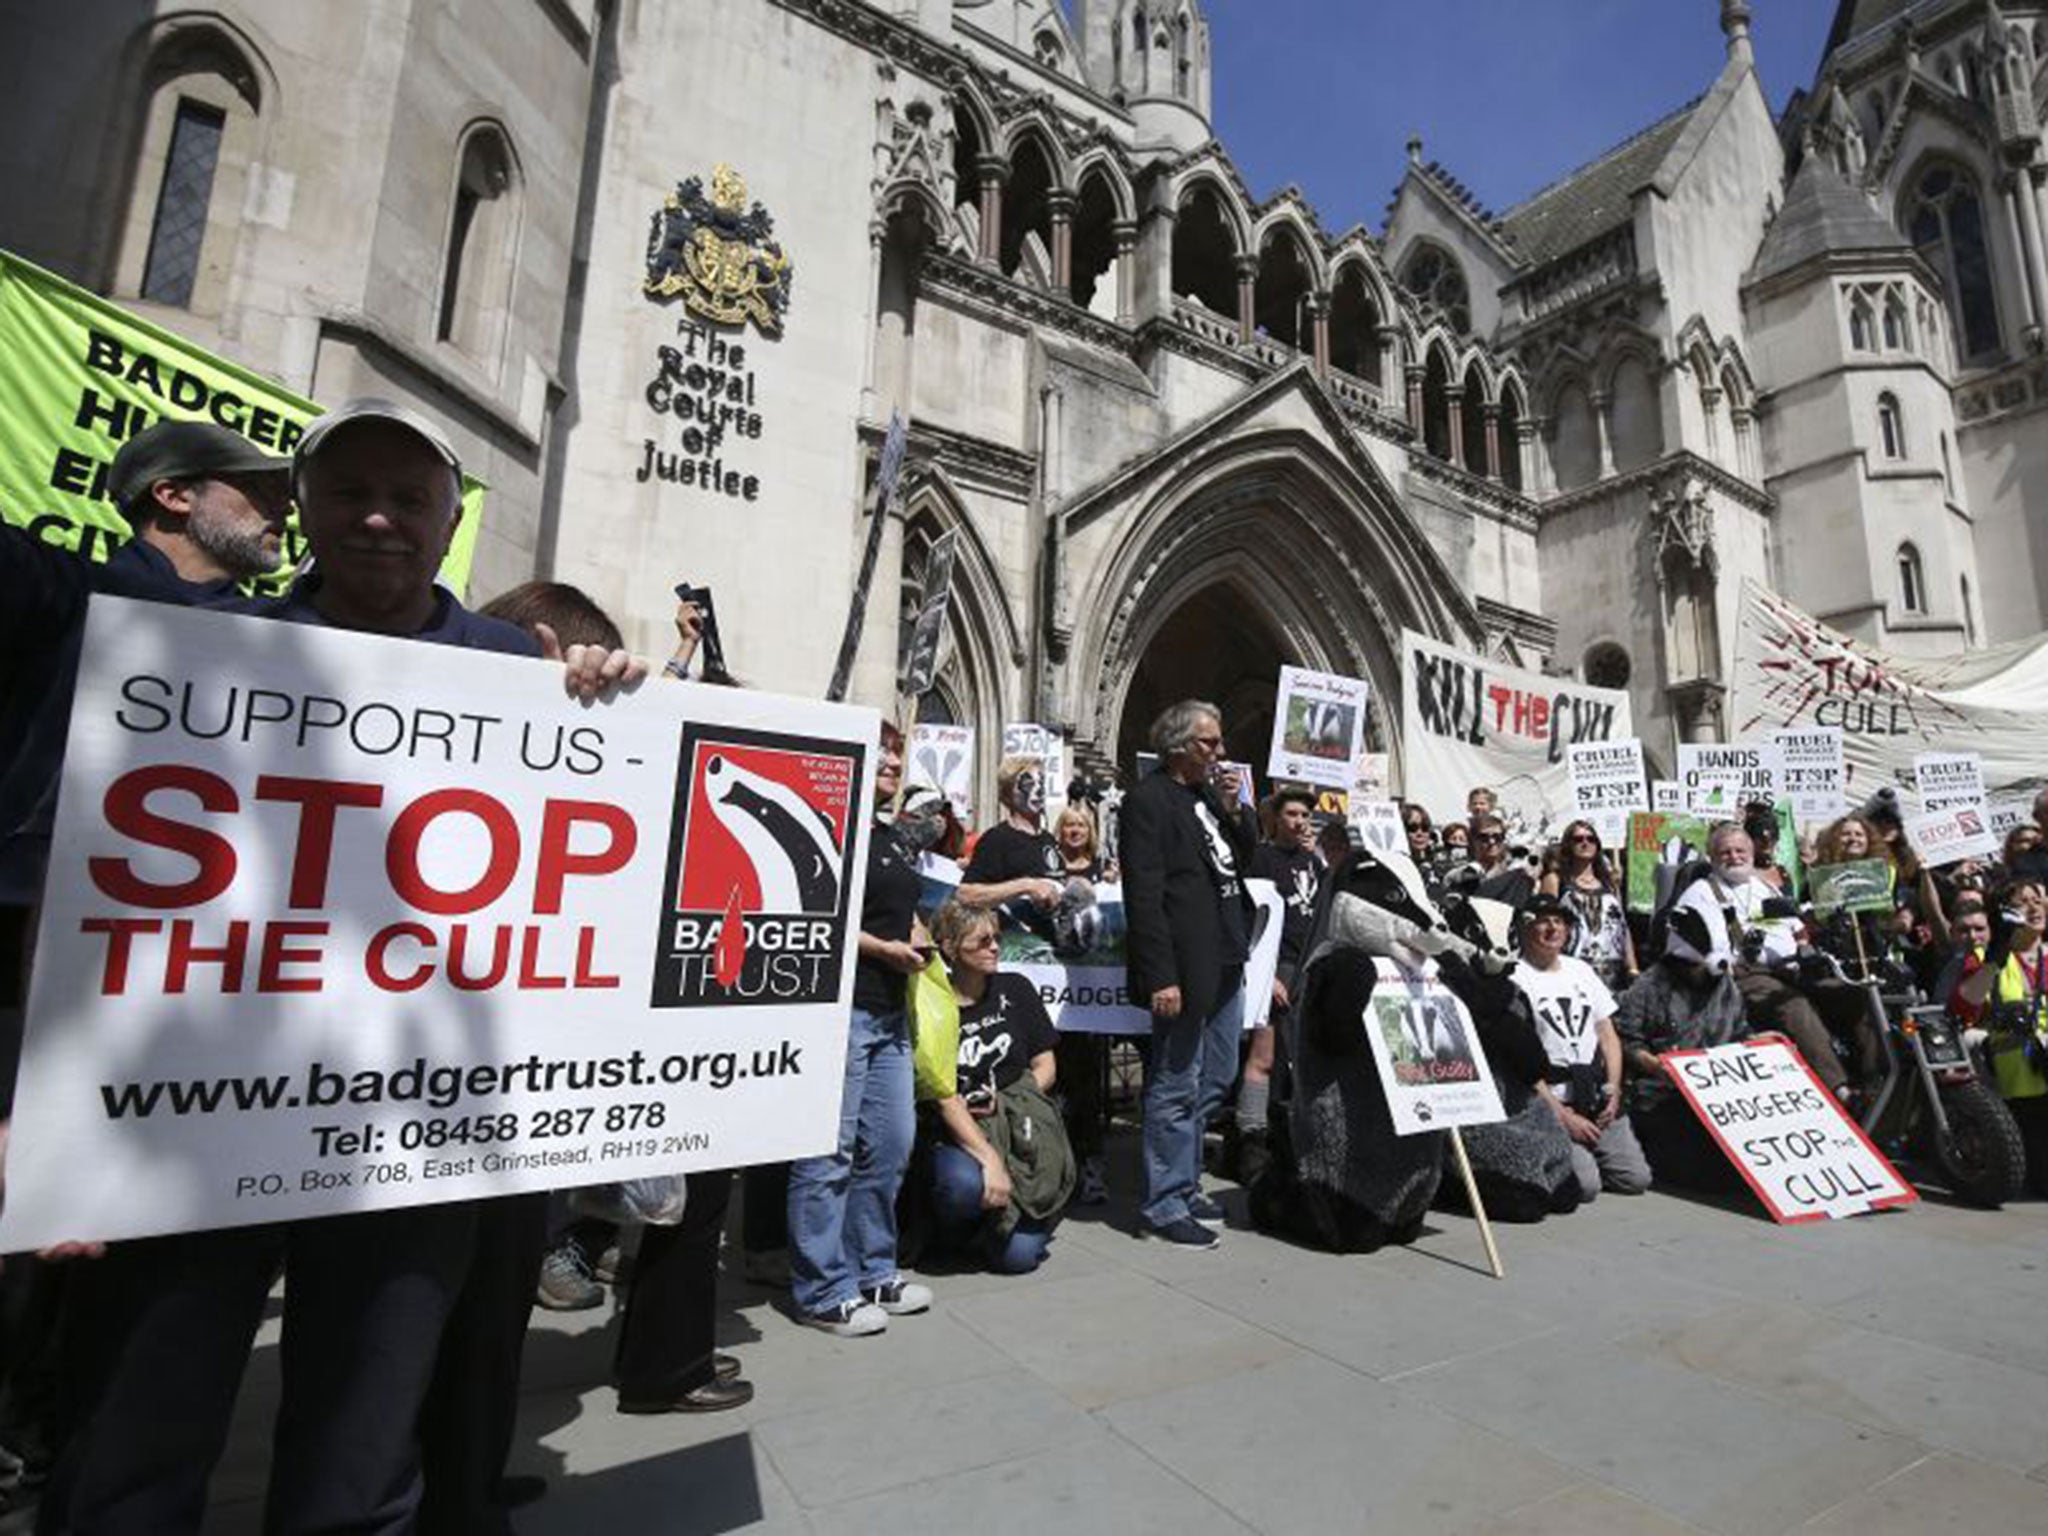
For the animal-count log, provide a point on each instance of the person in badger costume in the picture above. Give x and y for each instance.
(1339, 1176)
(1685, 999)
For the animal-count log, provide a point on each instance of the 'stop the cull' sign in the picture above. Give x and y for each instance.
(1785, 1133)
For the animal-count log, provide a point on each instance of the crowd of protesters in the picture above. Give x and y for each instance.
(969, 1125)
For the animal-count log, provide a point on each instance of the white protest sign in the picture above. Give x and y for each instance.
(337, 923)
(1945, 837)
(2007, 813)
(1369, 777)
(1607, 785)
(1754, 768)
(1469, 720)
(1786, 1134)
(1429, 1056)
(1815, 777)
(1318, 727)
(941, 757)
(1949, 781)
(1667, 796)
(1075, 954)
(1050, 749)
(1379, 825)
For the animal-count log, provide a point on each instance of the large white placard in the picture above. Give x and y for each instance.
(1470, 721)
(1814, 776)
(941, 757)
(1784, 1132)
(1945, 837)
(1754, 769)
(2007, 813)
(1949, 781)
(336, 923)
(1792, 670)
(1074, 953)
(1318, 728)
(1431, 1062)
(1607, 785)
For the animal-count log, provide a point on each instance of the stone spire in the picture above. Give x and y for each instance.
(1735, 15)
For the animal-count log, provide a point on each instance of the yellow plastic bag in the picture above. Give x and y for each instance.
(934, 1032)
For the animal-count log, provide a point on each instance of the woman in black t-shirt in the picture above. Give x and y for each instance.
(1004, 1033)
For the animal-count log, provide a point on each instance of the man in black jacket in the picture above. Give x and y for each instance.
(1185, 842)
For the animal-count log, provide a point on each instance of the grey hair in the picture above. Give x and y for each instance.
(1177, 725)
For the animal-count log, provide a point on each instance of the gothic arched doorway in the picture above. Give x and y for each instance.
(1216, 646)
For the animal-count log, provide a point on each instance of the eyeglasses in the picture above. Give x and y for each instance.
(1585, 837)
(1489, 837)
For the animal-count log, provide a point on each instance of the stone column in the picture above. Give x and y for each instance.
(1491, 410)
(1060, 206)
(878, 231)
(1710, 409)
(2027, 219)
(1389, 340)
(1525, 457)
(1247, 296)
(1745, 440)
(994, 171)
(1125, 233)
(1454, 400)
(1415, 373)
(1603, 426)
(1319, 323)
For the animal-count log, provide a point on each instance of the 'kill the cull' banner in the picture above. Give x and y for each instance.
(335, 925)
(1470, 721)
(1792, 671)
(80, 376)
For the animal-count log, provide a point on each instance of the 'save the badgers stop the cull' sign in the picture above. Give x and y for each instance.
(336, 922)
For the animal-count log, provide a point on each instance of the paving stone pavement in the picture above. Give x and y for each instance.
(1649, 1365)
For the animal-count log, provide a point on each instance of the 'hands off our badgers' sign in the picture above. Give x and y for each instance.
(335, 922)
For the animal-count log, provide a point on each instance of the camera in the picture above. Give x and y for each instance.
(715, 670)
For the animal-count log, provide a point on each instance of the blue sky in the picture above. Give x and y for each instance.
(1509, 94)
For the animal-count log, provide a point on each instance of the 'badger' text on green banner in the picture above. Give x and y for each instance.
(80, 376)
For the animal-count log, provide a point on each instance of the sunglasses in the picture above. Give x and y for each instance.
(1585, 837)
(1490, 837)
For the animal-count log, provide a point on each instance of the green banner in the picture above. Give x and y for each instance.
(1859, 885)
(80, 376)
(1655, 837)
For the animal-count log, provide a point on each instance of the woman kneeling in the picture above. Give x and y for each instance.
(1001, 1165)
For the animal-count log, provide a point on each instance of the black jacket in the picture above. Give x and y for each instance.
(1172, 905)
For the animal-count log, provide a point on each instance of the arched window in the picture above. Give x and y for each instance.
(198, 137)
(1891, 427)
(1895, 332)
(1860, 334)
(1912, 581)
(483, 231)
(1432, 275)
(1946, 220)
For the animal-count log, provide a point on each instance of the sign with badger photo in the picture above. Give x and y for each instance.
(1318, 728)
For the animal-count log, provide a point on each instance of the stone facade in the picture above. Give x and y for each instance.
(1184, 434)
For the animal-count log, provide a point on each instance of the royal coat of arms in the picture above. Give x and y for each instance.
(719, 255)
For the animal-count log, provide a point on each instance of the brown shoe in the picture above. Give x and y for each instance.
(713, 1397)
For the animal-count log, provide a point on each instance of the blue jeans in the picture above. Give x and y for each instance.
(1189, 1067)
(842, 1208)
(962, 1223)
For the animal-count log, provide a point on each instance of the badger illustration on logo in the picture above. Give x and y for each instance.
(757, 869)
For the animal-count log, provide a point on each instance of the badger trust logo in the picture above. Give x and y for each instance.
(718, 255)
(756, 911)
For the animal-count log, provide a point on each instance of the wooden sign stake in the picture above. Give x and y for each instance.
(1478, 1205)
